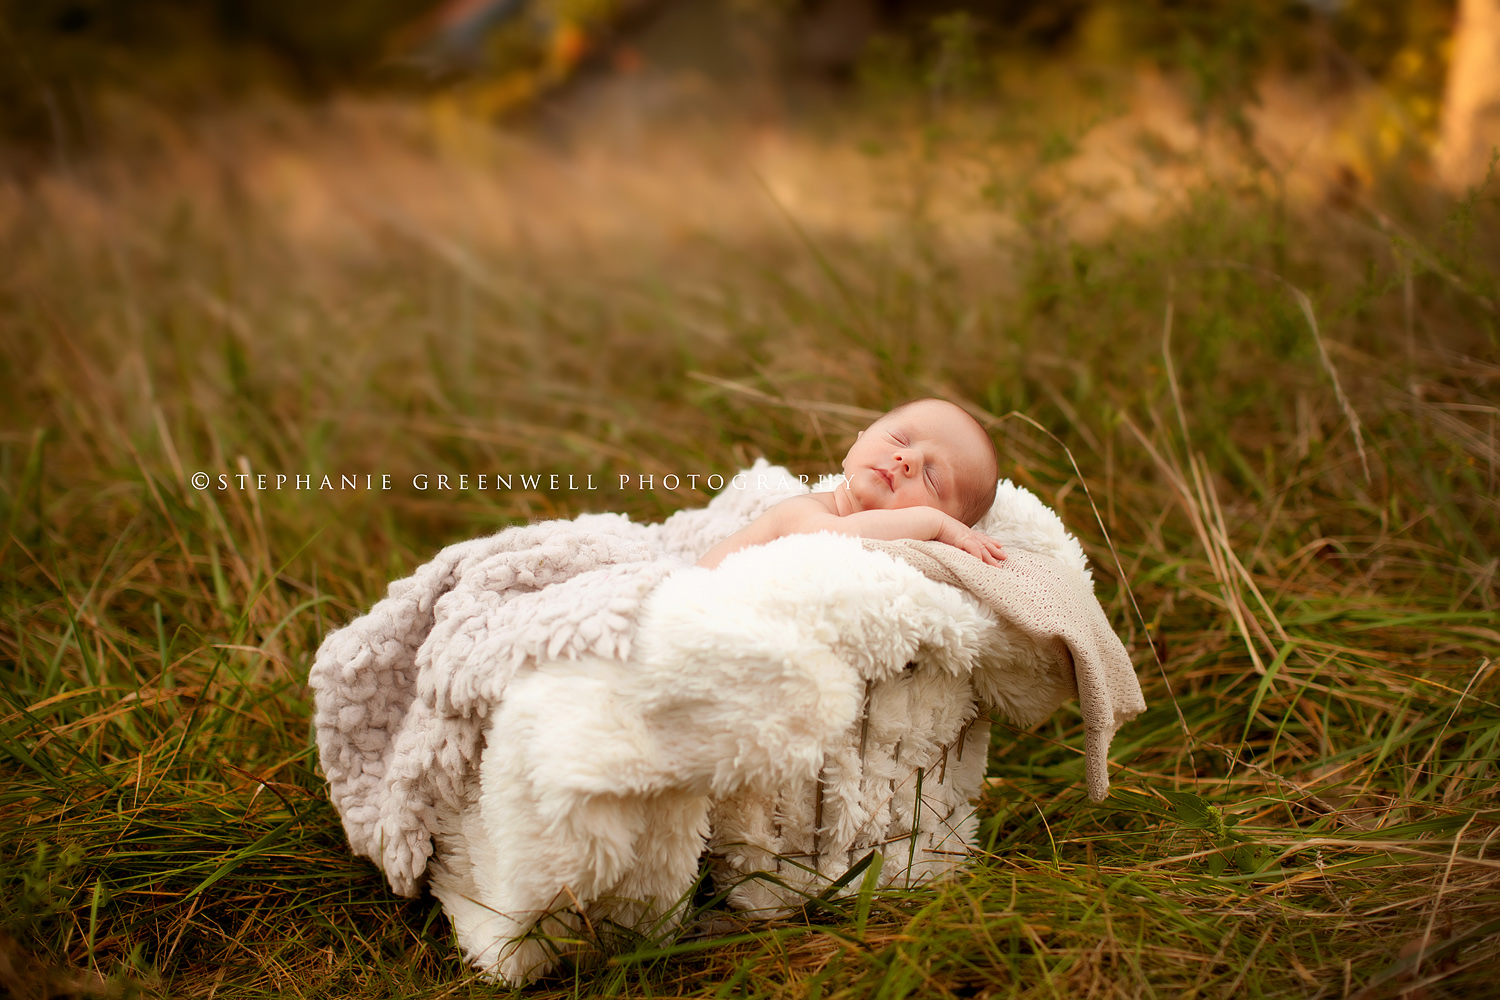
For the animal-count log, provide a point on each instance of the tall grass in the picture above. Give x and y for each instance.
(1284, 417)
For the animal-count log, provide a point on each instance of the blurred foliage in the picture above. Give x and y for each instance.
(1221, 44)
(61, 55)
(58, 56)
(1405, 46)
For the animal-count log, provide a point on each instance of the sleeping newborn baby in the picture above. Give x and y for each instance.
(924, 470)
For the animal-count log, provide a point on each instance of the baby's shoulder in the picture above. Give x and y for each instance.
(813, 501)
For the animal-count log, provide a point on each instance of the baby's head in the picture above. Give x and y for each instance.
(928, 452)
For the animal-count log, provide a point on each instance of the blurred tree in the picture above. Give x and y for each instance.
(1471, 103)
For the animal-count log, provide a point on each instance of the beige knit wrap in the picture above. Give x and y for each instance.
(1054, 607)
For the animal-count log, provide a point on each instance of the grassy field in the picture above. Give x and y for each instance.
(1272, 421)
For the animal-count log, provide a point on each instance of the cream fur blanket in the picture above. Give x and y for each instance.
(568, 712)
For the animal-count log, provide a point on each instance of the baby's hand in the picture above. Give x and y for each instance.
(975, 543)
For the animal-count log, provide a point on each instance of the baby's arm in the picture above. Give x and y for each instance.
(806, 514)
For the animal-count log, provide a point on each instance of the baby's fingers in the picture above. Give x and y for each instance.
(972, 546)
(985, 548)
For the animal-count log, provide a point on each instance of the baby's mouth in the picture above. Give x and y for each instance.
(890, 480)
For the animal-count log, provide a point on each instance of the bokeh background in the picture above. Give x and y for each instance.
(1221, 278)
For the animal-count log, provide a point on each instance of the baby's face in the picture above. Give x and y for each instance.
(929, 453)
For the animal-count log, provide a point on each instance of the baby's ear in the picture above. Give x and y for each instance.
(858, 435)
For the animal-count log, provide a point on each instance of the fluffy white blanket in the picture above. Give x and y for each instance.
(568, 712)
(403, 691)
